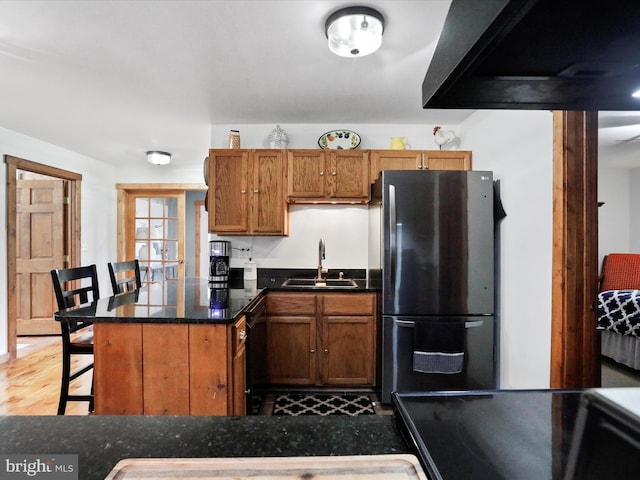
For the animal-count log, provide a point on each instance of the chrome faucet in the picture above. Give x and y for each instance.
(320, 258)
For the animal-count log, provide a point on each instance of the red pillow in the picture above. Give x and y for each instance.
(620, 271)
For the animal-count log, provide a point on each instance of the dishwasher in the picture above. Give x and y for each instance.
(256, 355)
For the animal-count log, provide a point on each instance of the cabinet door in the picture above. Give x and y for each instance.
(291, 343)
(208, 370)
(447, 160)
(268, 203)
(306, 173)
(394, 160)
(348, 338)
(348, 350)
(239, 368)
(239, 380)
(228, 191)
(348, 175)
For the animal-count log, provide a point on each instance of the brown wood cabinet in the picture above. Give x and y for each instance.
(170, 369)
(247, 192)
(418, 160)
(321, 339)
(323, 176)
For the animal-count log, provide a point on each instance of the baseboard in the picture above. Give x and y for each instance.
(4, 357)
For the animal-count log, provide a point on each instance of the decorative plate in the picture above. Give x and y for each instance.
(339, 140)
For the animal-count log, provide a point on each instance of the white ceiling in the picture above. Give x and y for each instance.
(113, 79)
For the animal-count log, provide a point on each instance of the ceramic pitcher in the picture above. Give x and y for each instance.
(399, 143)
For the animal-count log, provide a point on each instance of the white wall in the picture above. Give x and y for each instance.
(634, 217)
(420, 137)
(343, 229)
(98, 208)
(614, 217)
(518, 147)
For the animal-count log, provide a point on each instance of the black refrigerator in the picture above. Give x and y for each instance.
(431, 246)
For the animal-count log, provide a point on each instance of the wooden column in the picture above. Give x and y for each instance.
(575, 347)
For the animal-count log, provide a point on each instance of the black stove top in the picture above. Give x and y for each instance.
(507, 434)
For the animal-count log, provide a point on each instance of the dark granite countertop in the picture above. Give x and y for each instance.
(102, 441)
(203, 302)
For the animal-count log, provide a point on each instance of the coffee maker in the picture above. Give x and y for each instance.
(219, 251)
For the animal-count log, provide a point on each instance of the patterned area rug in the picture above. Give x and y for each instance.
(323, 404)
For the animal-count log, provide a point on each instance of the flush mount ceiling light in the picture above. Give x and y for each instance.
(354, 31)
(158, 158)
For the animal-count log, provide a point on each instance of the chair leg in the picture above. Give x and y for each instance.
(64, 384)
(92, 397)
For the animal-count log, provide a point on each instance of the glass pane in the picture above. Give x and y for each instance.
(157, 208)
(171, 229)
(142, 251)
(142, 207)
(172, 293)
(142, 228)
(156, 228)
(171, 207)
(171, 250)
(171, 270)
(155, 294)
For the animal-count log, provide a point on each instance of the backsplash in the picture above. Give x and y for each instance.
(344, 230)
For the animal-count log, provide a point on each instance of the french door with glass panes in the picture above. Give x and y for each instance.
(157, 241)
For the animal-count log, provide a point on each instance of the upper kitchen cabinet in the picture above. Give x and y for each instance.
(446, 160)
(321, 176)
(247, 192)
(418, 160)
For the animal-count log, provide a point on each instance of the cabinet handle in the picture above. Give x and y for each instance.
(256, 191)
(243, 191)
(242, 334)
(333, 173)
(326, 350)
(312, 351)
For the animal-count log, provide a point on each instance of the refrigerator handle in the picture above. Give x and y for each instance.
(392, 236)
(470, 324)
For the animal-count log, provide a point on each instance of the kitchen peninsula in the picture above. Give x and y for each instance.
(189, 358)
(101, 441)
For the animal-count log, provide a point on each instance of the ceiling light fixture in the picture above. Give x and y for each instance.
(636, 94)
(158, 158)
(354, 31)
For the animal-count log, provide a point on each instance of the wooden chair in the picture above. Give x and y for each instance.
(130, 281)
(71, 291)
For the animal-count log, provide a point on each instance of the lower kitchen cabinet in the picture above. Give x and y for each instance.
(321, 339)
(169, 369)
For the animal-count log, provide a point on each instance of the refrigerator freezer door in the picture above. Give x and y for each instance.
(437, 243)
(398, 369)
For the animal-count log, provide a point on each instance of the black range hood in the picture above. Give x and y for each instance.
(537, 55)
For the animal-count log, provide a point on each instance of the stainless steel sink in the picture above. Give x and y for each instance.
(324, 283)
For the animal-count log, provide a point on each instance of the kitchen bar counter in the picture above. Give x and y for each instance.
(102, 441)
(196, 301)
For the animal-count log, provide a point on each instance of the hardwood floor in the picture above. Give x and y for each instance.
(30, 385)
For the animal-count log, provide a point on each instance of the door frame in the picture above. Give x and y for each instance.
(72, 231)
(124, 223)
(198, 204)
